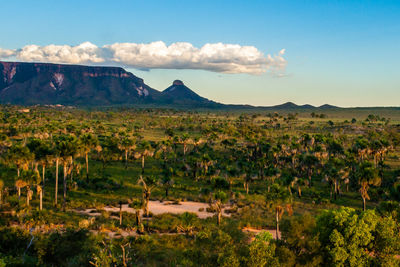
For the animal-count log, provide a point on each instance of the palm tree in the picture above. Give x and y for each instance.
(167, 181)
(68, 147)
(145, 150)
(278, 199)
(1, 192)
(56, 157)
(367, 176)
(39, 190)
(88, 143)
(109, 150)
(127, 145)
(29, 178)
(19, 184)
(20, 156)
(148, 184)
(309, 162)
(185, 140)
(219, 198)
(137, 205)
(333, 174)
(42, 152)
(206, 162)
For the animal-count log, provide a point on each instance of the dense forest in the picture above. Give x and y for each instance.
(102, 188)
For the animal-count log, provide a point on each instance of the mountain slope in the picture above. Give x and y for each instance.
(43, 83)
(180, 94)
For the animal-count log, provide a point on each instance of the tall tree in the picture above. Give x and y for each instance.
(278, 199)
(68, 147)
(88, 143)
(148, 183)
(127, 145)
(145, 149)
(367, 176)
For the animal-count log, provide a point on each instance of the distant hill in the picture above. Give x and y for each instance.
(327, 106)
(179, 94)
(76, 85)
(291, 105)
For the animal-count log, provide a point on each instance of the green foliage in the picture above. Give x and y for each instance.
(262, 251)
(300, 238)
(347, 237)
(76, 247)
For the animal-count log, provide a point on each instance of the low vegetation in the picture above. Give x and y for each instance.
(281, 189)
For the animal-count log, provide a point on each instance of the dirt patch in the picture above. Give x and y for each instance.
(157, 207)
(249, 230)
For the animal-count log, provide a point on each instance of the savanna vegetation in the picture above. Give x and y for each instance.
(281, 189)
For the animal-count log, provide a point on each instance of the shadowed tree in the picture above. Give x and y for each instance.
(166, 181)
(333, 174)
(309, 163)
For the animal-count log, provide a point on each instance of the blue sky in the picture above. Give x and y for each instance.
(343, 53)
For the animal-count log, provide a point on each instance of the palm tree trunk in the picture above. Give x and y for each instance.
(335, 190)
(126, 159)
(65, 186)
(137, 213)
(27, 196)
(43, 176)
(41, 199)
(87, 166)
(219, 217)
(147, 205)
(142, 164)
(364, 204)
(120, 214)
(277, 224)
(56, 185)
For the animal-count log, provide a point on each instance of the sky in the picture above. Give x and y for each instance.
(344, 53)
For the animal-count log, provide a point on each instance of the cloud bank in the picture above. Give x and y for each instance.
(217, 57)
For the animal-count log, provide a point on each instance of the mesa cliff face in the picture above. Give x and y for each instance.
(43, 83)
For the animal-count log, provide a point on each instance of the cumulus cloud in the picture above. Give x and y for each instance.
(216, 57)
(6, 53)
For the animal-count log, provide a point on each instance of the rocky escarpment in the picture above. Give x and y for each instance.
(43, 83)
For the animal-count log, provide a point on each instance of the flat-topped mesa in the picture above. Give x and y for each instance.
(177, 82)
(46, 83)
(10, 69)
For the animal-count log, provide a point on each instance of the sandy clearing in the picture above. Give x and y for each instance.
(157, 207)
(257, 231)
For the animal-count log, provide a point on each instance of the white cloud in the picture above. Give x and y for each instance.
(217, 57)
(6, 53)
